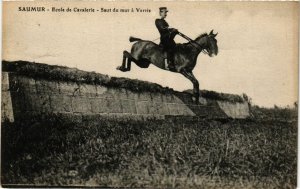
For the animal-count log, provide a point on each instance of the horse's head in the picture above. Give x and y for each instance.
(208, 43)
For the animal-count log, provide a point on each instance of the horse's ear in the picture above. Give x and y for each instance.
(211, 32)
(215, 34)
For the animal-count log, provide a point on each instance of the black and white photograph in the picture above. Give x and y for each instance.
(149, 94)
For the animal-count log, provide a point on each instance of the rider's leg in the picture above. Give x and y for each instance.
(170, 57)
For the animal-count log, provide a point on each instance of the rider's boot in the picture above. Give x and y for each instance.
(171, 65)
(170, 57)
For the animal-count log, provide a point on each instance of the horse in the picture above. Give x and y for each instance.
(143, 53)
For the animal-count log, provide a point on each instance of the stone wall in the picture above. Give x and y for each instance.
(6, 103)
(24, 95)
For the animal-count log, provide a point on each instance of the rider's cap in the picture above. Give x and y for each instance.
(163, 9)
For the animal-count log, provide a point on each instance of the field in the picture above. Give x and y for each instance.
(180, 152)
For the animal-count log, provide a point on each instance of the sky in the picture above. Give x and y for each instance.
(258, 42)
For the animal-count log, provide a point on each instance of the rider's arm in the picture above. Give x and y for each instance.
(161, 26)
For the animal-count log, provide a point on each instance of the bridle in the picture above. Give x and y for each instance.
(204, 50)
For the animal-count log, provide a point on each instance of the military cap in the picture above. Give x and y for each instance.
(163, 9)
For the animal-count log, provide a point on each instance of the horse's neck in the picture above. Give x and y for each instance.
(193, 49)
(202, 42)
(197, 46)
(190, 52)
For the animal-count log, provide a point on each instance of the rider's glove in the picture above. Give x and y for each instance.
(176, 31)
(173, 31)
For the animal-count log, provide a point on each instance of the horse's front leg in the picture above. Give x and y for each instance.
(196, 90)
(196, 85)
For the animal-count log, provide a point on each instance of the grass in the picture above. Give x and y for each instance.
(182, 153)
(61, 73)
(259, 152)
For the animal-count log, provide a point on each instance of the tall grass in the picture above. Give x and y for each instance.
(171, 153)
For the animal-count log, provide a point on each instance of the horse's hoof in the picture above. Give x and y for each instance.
(121, 68)
(202, 101)
(199, 101)
(194, 99)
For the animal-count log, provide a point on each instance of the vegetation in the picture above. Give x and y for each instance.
(182, 152)
(186, 153)
(276, 113)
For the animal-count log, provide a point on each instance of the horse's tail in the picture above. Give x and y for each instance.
(132, 39)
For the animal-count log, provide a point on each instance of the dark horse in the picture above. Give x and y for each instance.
(143, 53)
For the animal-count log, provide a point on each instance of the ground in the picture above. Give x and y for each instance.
(259, 152)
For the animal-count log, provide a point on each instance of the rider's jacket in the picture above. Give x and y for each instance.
(166, 34)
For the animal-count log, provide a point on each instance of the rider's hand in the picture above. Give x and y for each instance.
(176, 31)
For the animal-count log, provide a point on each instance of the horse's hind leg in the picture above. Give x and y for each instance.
(129, 59)
(126, 63)
(123, 66)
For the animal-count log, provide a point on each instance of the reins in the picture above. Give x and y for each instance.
(194, 42)
(191, 41)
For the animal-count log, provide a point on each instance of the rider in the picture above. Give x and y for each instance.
(167, 36)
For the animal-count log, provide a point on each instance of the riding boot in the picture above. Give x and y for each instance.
(170, 57)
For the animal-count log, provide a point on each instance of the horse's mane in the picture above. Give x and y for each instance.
(201, 35)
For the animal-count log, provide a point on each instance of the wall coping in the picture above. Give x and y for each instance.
(66, 74)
